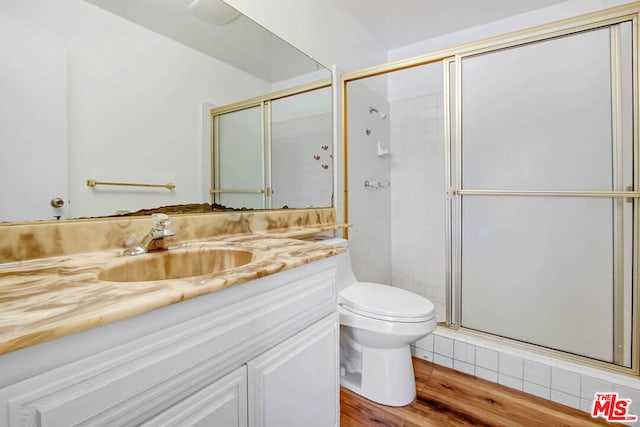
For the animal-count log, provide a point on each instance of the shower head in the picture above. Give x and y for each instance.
(380, 114)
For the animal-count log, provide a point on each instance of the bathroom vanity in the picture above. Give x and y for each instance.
(258, 351)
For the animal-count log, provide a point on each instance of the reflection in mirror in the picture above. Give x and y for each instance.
(302, 152)
(239, 159)
(275, 152)
(120, 91)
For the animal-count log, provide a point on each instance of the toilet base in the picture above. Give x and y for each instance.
(387, 376)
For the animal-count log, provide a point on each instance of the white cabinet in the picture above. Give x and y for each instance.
(223, 403)
(295, 383)
(187, 364)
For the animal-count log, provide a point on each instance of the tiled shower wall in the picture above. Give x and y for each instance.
(418, 248)
(301, 165)
(369, 208)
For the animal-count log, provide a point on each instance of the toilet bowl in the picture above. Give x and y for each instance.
(377, 324)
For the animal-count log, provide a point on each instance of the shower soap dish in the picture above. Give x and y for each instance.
(384, 153)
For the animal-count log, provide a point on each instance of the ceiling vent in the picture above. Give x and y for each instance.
(215, 11)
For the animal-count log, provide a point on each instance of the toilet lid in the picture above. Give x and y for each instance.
(386, 302)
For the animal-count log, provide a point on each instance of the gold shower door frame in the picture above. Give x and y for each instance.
(456, 192)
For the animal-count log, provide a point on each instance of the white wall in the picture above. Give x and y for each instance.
(135, 101)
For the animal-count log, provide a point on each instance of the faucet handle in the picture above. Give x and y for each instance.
(160, 221)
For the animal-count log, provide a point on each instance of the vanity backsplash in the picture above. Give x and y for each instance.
(26, 241)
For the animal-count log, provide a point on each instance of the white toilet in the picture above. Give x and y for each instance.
(377, 324)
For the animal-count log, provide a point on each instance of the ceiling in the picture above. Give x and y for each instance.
(249, 47)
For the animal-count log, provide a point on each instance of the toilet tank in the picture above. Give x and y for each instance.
(345, 276)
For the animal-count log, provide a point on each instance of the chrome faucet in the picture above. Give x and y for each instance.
(156, 239)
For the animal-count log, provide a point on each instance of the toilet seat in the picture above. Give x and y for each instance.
(385, 302)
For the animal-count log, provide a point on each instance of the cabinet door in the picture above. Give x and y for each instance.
(222, 403)
(296, 383)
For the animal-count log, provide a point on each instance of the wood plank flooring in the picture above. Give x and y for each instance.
(449, 398)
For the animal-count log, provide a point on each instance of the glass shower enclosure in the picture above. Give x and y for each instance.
(542, 160)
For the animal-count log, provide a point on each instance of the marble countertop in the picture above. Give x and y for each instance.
(43, 299)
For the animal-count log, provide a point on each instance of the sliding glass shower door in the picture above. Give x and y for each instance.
(239, 167)
(544, 154)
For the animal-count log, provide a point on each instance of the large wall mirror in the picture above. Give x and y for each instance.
(120, 91)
